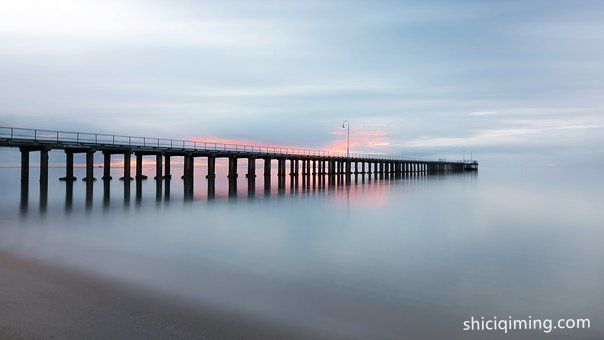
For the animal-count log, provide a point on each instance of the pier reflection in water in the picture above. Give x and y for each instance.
(207, 189)
(374, 255)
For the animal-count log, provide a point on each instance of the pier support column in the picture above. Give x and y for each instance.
(167, 170)
(188, 182)
(296, 167)
(251, 168)
(232, 168)
(314, 167)
(68, 167)
(127, 161)
(89, 167)
(158, 167)
(267, 173)
(44, 166)
(281, 173)
(106, 165)
(251, 176)
(211, 168)
(139, 166)
(304, 167)
(211, 176)
(280, 167)
(232, 176)
(24, 164)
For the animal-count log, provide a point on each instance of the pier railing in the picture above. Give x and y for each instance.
(101, 139)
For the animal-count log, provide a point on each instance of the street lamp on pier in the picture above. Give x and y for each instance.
(347, 124)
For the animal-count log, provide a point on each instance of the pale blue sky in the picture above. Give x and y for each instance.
(519, 82)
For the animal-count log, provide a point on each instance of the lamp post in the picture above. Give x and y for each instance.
(347, 124)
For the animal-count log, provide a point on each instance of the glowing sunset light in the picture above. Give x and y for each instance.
(361, 140)
(242, 142)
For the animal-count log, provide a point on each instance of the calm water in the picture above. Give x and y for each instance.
(406, 258)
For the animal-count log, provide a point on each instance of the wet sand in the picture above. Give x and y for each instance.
(41, 301)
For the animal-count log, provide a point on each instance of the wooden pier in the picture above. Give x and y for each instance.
(302, 162)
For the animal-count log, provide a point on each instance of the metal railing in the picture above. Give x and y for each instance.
(101, 139)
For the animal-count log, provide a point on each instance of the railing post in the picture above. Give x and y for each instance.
(12, 133)
(113, 139)
(77, 137)
(96, 138)
(129, 140)
(35, 134)
(57, 136)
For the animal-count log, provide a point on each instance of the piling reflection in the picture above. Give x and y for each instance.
(211, 188)
(43, 195)
(89, 194)
(24, 198)
(160, 189)
(167, 188)
(68, 195)
(106, 193)
(126, 193)
(139, 190)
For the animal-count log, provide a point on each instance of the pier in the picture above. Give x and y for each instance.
(303, 163)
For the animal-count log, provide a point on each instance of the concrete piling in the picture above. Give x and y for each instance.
(89, 167)
(158, 167)
(167, 170)
(139, 166)
(127, 164)
(44, 166)
(211, 168)
(24, 164)
(106, 165)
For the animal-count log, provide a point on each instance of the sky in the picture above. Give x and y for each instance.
(516, 83)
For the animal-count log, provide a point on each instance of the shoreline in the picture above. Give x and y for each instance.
(38, 300)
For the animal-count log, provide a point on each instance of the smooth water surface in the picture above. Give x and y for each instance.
(403, 258)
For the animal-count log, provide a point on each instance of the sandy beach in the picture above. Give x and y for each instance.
(41, 301)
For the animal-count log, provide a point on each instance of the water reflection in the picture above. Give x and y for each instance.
(68, 196)
(167, 189)
(43, 195)
(24, 201)
(106, 193)
(371, 254)
(89, 194)
(302, 184)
